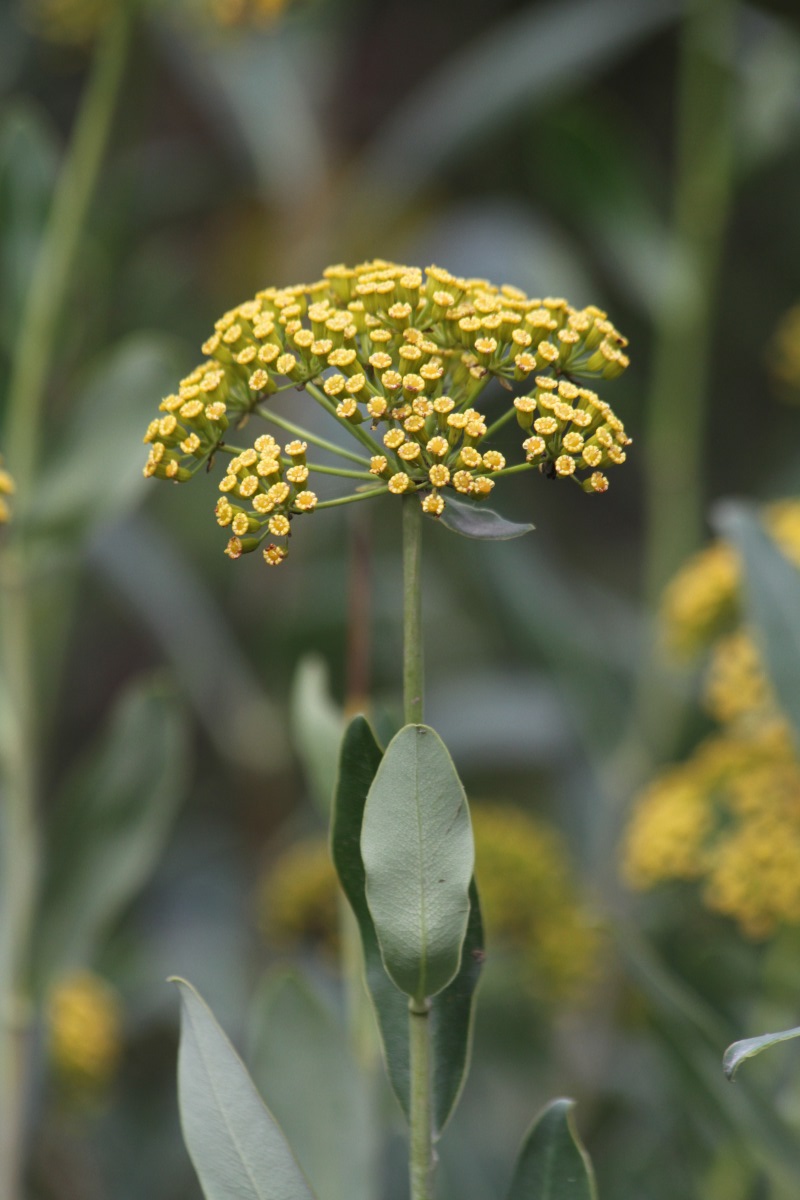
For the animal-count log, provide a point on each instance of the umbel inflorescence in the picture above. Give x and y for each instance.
(401, 358)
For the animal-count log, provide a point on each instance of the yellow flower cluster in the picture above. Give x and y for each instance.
(728, 818)
(247, 12)
(785, 350)
(7, 489)
(531, 904)
(399, 357)
(528, 896)
(702, 600)
(85, 1028)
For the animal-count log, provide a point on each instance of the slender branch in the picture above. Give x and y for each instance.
(422, 1160)
(32, 360)
(515, 470)
(500, 422)
(357, 431)
(412, 610)
(312, 438)
(351, 499)
(341, 471)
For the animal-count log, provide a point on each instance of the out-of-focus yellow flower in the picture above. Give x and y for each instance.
(728, 818)
(67, 22)
(7, 489)
(784, 357)
(85, 1027)
(736, 684)
(399, 357)
(702, 600)
(531, 902)
(298, 896)
(247, 12)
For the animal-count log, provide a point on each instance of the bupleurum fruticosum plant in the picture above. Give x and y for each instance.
(401, 358)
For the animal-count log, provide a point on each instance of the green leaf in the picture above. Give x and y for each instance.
(317, 728)
(552, 1163)
(452, 1010)
(97, 473)
(291, 1026)
(772, 600)
(474, 521)
(234, 1142)
(418, 853)
(110, 827)
(750, 1047)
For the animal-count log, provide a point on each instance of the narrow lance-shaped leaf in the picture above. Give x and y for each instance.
(416, 843)
(317, 728)
(234, 1142)
(452, 1009)
(772, 598)
(736, 1053)
(474, 521)
(552, 1164)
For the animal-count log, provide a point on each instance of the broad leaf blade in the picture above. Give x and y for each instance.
(552, 1163)
(772, 598)
(418, 853)
(233, 1140)
(112, 823)
(474, 521)
(452, 1009)
(736, 1053)
(290, 1028)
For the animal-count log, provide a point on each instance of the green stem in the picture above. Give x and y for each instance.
(678, 399)
(422, 1160)
(353, 498)
(312, 438)
(31, 364)
(499, 423)
(357, 431)
(515, 470)
(412, 610)
(341, 471)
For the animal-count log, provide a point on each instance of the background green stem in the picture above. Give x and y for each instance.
(31, 363)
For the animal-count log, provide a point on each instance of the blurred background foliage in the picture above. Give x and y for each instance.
(642, 157)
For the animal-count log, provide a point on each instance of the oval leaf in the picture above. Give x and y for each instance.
(474, 521)
(772, 599)
(416, 843)
(552, 1164)
(750, 1047)
(234, 1142)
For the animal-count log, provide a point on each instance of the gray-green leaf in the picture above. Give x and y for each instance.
(317, 728)
(552, 1163)
(736, 1053)
(234, 1142)
(418, 853)
(772, 599)
(474, 521)
(452, 1009)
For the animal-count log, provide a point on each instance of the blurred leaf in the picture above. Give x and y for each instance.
(772, 598)
(28, 167)
(234, 1142)
(736, 1054)
(474, 521)
(452, 1010)
(111, 825)
(552, 1163)
(175, 603)
(418, 854)
(536, 56)
(335, 1142)
(768, 92)
(317, 727)
(96, 475)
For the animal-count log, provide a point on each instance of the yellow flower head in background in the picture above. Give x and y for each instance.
(84, 1017)
(298, 896)
(67, 22)
(247, 12)
(6, 490)
(784, 355)
(399, 357)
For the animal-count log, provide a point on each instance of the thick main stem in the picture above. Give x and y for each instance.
(32, 360)
(412, 610)
(422, 1157)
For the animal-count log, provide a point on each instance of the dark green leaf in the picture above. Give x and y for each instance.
(772, 600)
(452, 1009)
(418, 854)
(110, 828)
(750, 1047)
(552, 1163)
(234, 1142)
(290, 1028)
(474, 521)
